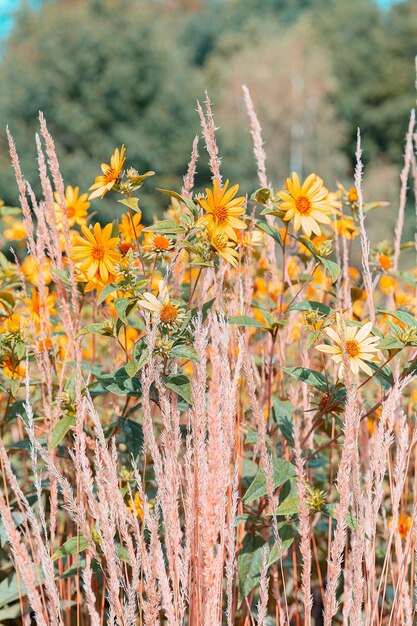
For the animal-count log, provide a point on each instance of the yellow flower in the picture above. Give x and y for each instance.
(353, 195)
(360, 346)
(37, 308)
(384, 261)
(156, 244)
(16, 231)
(223, 209)
(76, 206)
(316, 241)
(404, 524)
(96, 252)
(249, 239)
(306, 204)
(31, 270)
(130, 227)
(12, 324)
(111, 173)
(387, 284)
(136, 506)
(13, 368)
(346, 228)
(171, 314)
(222, 244)
(45, 344)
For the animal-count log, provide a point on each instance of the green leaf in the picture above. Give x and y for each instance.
(282, 412)
(305, 375)
(384, 375)
(269, 318)
(75, 545)
(120, 383)
(181, 385)
(95, 329)
(307, 244)
(332, 267)
(173, 194)
(184, 352)
(140, 353)
(282, 471)
(261, 195)
(252, 436)
(402, 316)
(123, 307)
(106, 291)
(245, 320)
(390, 343)
(328, 510)
(132, 368)
(287, 535)
(132, 436)
(311, 305)
(15, 409)
(288, 499)
(61, 428)
(10, 613)
(269, 230)
(11, 588)
(249, 564)
(205, 309)
(131, 203)
(168, 227)
(288, 507)
(63, 275)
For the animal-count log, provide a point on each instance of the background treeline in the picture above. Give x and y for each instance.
(112, 71)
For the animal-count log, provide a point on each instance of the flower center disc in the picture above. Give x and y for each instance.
(220, 213)
(168, 313)
(110, 175)
(98, 253)
(352, 348)
(303, 205)
(161, 243)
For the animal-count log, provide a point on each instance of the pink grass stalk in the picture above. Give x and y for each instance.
(263, 590)
(365, 244)
(188, 184)
(260, 158)
(256, 132)
(89, 593)
(24, 565)
(351, 422)
(408, 158)
(305, 527)
(209, 134)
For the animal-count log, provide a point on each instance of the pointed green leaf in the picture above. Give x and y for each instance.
(311, 377)
(181, 385)
(245, 320)
(75, 545)
(282, 471)
(60, 430)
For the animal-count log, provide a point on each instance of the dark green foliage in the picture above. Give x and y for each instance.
(107, 72)
(103, 73)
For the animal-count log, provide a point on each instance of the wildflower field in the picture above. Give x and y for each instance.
(208, 419)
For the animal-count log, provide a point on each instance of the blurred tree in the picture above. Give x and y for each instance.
(112, 71)
(204, 29)
(373, 58)
(103, 72)
(289, 77)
